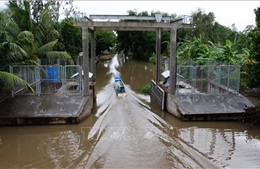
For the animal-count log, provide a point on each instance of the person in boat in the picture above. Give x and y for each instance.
(120, 86)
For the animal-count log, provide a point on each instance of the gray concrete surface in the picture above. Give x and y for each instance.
(222, 105)
(44, 109)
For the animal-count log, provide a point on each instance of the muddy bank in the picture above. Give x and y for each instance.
(253, 94)
(252, 114)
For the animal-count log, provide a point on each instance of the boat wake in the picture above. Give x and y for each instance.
(127, 134)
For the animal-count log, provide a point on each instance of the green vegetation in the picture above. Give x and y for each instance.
(32, 30)
(71, 37)
(152, 59)
(105, 41)
(141, 44)
(253, 62)
(210, 41)
(145, 89)
(203, 52)
(27, 34)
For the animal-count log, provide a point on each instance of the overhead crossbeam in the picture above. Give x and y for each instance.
(168, 25)
(127, 17)
(132, 26)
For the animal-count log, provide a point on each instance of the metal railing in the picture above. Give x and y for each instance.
(31, 74)
(73, 79)
(55, 79)
(207, 79)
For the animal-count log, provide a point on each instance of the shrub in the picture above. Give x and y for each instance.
(145, 89)
(152, 59)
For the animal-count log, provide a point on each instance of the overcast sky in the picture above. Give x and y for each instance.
(240, 13)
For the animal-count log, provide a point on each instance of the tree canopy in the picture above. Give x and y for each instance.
(253, 63)
(25, 39)
(32, 30)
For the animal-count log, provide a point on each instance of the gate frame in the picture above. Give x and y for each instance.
(158, 94)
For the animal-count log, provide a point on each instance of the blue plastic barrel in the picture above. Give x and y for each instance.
(52, 72)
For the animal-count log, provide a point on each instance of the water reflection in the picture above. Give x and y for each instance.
(130, 132)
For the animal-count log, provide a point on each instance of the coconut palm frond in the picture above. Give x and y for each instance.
(25, 62)
(12, 51)
(54, 34)
(21, 15)
(46, 48)
(10, 81)
(12, 28)
(60, 55)
(25, 38)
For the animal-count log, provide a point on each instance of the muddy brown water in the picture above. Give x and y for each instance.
(130, 132)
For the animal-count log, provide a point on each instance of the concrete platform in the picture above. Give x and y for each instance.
(45, 109)
(200, 106)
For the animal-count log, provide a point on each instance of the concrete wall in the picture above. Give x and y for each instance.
(207, 106)
(171, 105)
(45, 109)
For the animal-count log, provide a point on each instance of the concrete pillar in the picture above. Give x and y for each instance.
(158, 54)
(85, 64)
(173, 60)
(93, 55)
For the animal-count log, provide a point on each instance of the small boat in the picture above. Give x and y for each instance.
(119, 86)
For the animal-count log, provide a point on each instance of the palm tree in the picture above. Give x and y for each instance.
(45, 35)
(47, 38)
(12, 45)
(10, 81)
(23, 41)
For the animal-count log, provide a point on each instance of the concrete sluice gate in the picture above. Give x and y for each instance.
(207, 106)
(44, 109)
(58, 97)
(207, 92)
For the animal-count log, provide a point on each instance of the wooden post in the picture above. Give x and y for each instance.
(85, 60)
(173, 61)
(158, 54)
(93, 55)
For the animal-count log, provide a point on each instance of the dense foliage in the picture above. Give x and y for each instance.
(209, 41)
(140, 44)
(253, 64)
(71, 37)
(105, 41)
(32, 30)
(27, 34)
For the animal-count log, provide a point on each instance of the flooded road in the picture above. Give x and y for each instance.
(130, 132)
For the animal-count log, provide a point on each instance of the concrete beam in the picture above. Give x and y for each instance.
(189, 26)
(158, 54)
(93, 55)
(132, 26)
(128, 25)
(173, 60)
(85, 63)
(128, 29)
(127, 17)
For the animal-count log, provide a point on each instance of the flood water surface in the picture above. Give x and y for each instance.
(130, 132)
